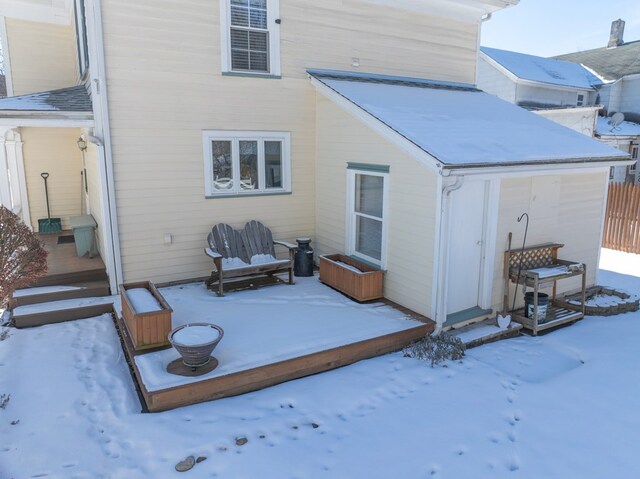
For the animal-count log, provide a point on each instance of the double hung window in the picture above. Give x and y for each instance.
(250, 36)
(366, 215)
(246, 163)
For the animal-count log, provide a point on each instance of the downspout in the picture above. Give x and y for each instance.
(102, 139)
(443, 253)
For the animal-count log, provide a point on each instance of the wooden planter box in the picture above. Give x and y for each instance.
(150, 329)
(362, 285)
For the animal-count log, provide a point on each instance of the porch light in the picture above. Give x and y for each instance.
(82, 144)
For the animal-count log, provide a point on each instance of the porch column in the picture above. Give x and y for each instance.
(15, 162)
(5, 182)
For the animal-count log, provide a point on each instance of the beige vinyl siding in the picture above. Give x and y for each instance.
(165, 87)
(563, 209)
(43, 56)
(91, 158)
(411, 215)
(387, 40)
(494, 81)
(52, 150)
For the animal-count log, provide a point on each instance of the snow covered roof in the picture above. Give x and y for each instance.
(626, 128)
(610, 63)
(461, 126)
(74, 99)
(543, 70)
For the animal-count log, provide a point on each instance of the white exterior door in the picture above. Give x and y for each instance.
(467, 219)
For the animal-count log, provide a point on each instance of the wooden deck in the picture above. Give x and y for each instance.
(255, 378)
(64, 265)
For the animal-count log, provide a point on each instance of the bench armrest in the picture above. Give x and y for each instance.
(212, 254)
(285, 244)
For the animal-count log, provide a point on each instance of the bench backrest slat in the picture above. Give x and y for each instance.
(257, 239)
(228, 242)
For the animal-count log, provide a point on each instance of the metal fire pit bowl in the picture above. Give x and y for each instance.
(199, 354)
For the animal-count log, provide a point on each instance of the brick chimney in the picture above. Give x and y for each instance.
(617, 31)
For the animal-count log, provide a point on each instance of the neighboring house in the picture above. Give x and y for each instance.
(355, 123)
(560, 91)
(618, 66)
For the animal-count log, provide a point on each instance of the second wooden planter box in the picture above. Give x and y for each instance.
(146, 329)
(354, 278)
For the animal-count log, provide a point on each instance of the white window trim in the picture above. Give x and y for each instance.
(235, 136)
(635, 155)
(81, 39)
(7, 58)
(350, 240)
(584, 99)
(273, 14)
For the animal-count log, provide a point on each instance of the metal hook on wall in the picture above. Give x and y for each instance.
(524, 241)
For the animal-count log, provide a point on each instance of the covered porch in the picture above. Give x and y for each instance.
(49, 134)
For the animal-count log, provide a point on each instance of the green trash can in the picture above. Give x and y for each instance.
(84, 231)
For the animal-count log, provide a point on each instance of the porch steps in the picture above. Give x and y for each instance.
(484, 332)
(70, 278)
(47, 294)
(39, 314)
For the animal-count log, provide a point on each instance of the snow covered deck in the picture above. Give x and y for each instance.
(272, 335)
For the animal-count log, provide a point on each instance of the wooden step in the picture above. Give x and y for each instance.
(98, 274)
(47, 294)
(58, 311)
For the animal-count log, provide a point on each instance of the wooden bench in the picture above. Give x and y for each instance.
(246, 253)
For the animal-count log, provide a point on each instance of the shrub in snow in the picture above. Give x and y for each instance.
(436, 349)
(23, 259)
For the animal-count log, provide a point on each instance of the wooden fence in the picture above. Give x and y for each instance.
(622, 219)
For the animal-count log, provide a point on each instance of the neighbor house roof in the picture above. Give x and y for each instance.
(543, 70)
(626, 128)
(66, 99)
(610, 63)
(461, 126)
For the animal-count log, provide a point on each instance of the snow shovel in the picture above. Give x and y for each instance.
(48, 224)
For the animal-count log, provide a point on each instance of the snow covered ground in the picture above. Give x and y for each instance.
(564, 405)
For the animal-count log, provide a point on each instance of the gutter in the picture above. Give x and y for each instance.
(102, 138)
(534, 166)
(443, 253)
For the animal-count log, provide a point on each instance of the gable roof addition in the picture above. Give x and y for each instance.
(73, 99)
(460, 126)
(543, 70)
(610, 63)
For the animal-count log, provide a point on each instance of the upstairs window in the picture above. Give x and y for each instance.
(246, 163)
(250, 36)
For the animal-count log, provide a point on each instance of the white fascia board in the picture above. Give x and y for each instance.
(56, 12)
(537, 170)
(378, 126)
(464, 10)
(46, 121)
(576, 109)
(634, 76)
